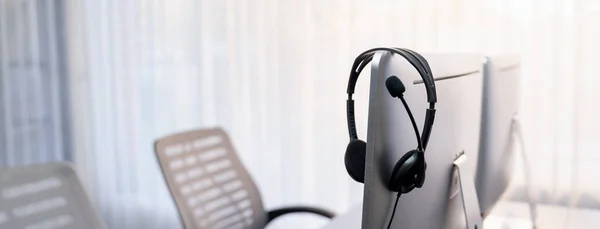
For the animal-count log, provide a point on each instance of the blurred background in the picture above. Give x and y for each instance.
(95, 82)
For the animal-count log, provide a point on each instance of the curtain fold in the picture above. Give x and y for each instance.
(33, 102)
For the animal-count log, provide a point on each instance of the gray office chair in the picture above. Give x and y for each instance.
(43, 196)
(211, 187)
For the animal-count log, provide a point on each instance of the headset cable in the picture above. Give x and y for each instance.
(394, 211)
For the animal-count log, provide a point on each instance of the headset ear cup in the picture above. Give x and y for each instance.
(403, 175)
(355, 159)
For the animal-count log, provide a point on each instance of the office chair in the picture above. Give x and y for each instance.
(45, 196)
(210, 186)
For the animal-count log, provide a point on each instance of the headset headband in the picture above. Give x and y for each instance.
(415, 59)
(422, 67)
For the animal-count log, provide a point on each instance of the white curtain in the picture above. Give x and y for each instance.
(273, 74)
(34, 113)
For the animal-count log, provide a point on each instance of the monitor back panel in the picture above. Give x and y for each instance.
(500, 105)
(390, 135)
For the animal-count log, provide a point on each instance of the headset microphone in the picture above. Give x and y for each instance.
(395, 86)
(414, 161)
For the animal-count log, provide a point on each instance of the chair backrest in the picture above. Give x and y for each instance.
(45, 196)
(211, 187)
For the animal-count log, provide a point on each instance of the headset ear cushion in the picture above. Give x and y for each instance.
(355, 159)
(403, 175)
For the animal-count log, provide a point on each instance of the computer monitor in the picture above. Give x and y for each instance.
(499, 107)
(390, 135)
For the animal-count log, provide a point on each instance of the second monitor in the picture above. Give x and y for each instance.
(499, 108)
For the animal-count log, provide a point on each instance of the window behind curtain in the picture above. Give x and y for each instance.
(33, 102)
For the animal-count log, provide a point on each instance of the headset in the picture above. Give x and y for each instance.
(408, 172)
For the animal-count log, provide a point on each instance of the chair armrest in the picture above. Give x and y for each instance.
(298, 209)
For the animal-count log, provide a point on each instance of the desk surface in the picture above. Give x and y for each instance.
(505, 215)
(349, 220)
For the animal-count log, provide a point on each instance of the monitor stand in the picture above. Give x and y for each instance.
(517, 130)
(468, 193)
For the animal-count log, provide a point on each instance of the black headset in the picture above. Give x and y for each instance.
(409, 172)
